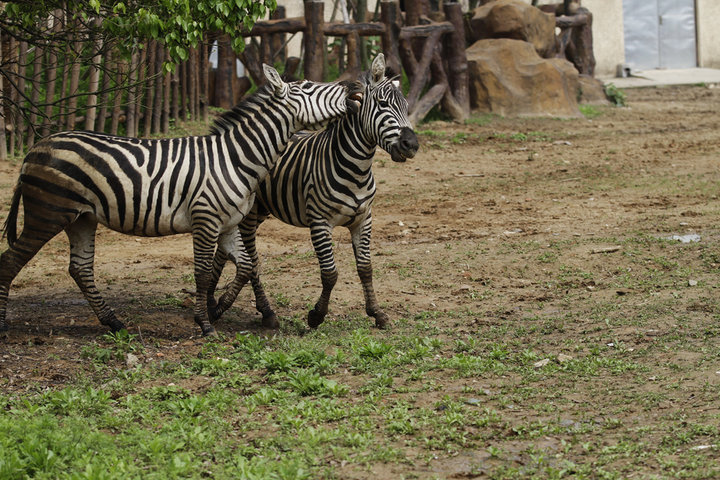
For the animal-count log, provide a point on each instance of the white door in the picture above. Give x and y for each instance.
(659, 34)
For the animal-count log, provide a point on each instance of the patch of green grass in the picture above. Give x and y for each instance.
(589, 111)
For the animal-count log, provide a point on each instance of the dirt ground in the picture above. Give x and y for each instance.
(491, 216)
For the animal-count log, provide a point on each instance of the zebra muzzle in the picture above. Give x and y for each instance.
(354, 101)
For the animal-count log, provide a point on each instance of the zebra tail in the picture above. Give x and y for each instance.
(9, 229)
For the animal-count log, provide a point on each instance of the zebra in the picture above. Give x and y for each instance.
(201, 184)
(323, 180)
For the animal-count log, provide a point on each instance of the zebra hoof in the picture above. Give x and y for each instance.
(209, 331)
(271, 321)
(382, 321)
(315, 318)
(115, 325)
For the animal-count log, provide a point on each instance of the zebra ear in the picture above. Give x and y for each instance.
(274, 78)
(377, 69)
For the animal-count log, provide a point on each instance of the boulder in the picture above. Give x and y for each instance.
(592, 91)
(517, 20)
(509, 78)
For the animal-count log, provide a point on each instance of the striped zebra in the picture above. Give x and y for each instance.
(323, 180)
(205, 185)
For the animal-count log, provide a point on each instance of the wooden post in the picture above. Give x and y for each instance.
(314, 40)
(120, 66)
(150, 88)
(159, 84)
(102, 113)
(93, 82)
(22, 73)
(51, 77)
(390, 39)
(277, 40)
(74, 84)
(458, 79)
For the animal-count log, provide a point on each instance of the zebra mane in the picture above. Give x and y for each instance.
(229, 119)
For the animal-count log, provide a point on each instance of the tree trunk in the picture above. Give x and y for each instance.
(203, 81)
(183, 91)
(117, 98)
(93, 84)
(103, 111)
(159, 84)
(35, 96)
(22, 74)
(51, 80)
(166, 99)
(3, 91)
(140, 90)
(74, 85)
(13, 94)
(132, 102)
(224, 73)
(150, 88)
(175, 83)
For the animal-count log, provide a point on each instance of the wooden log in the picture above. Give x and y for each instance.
(390, 38)
(282, 25)
(291, 67)
(427, 102)
(458, 78)
(422, 69)
(426, 30)
(251, 59)
(579, 20)
(449, 102)
(353, 54)
(337, 29)
(313, 40)
(266, 49)
(581, 51)
(277, 40)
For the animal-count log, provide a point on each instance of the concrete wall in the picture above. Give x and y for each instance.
(707, 13)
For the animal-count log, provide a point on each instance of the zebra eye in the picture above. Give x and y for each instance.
(383, 103)
(306, 86)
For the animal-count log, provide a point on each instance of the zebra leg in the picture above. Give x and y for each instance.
(16, 257)
(361, 248)
(219, 261)
(205, 238)
(231, 243)
(262, 304)
(322, 243)
(81, 234)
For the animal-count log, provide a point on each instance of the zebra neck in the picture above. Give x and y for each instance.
(353, 144)
(259, 141)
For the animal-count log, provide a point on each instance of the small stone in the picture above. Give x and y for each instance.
(473, 401)
(692, 283)
(562, 358)
(131, 360)
(541, 363)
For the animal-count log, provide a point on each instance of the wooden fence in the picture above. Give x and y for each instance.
(85, 85)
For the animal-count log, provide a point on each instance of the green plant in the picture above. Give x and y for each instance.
(615, 95)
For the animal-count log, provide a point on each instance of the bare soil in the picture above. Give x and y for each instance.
(508, 218)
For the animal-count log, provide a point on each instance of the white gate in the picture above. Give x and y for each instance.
(659, 33)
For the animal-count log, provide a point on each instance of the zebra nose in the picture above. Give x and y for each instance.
(408, 142)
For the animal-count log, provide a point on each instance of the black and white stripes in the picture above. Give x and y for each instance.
(323, 180)
(205, 185)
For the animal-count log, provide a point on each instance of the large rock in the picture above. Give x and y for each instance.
(592, 91)
(514, 19)
(508, 77)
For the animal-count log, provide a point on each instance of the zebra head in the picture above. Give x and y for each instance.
(313, 104)
(384, 113)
